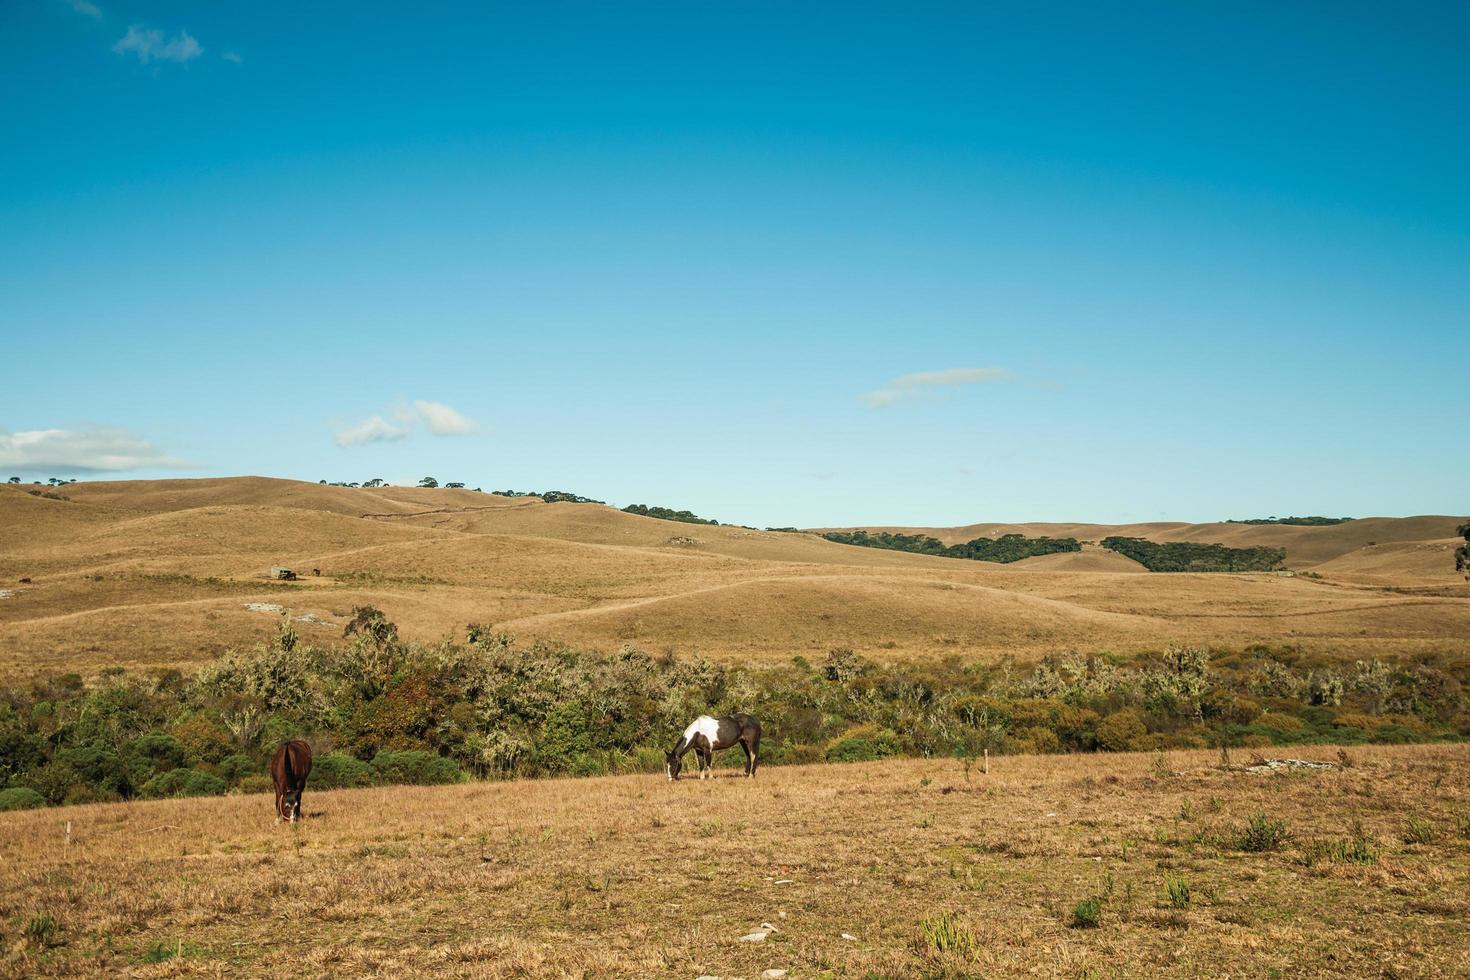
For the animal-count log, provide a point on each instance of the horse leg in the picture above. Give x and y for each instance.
(709, 764)
(755, 751)
(749, 759)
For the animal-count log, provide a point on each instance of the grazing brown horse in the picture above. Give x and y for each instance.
(706, 736)
(289, 769)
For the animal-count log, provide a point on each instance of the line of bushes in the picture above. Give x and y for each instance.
(667, 514)
(1298, 521)
(1006, 548)
(379, 711)
(1187, 556)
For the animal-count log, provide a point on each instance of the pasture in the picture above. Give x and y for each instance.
(171, 573)
(1098, 865)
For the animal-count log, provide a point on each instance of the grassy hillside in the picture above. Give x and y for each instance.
(149, 573)
(1060, 865)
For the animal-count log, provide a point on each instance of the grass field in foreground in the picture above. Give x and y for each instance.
(1367, 874)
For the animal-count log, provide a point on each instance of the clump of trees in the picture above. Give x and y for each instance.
(667, 514)
(549, 496)
(1185, 556)
(1006, 548)
(1462, 553)
(380, 710)
(1301, 521)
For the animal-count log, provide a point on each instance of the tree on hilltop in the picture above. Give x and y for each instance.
(429, 482)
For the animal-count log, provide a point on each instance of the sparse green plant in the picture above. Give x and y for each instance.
(1186, 811)
(1356, 848)
(1178, 892)
(1159, 768)
(43, 930)
(177, 950)
(1419, 830)
(1260, 833)
(946, 935)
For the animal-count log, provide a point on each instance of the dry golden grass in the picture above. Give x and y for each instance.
(155, 573)
(631, 876)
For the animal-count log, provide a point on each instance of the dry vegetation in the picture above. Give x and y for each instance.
(155, 573)
(934, 870)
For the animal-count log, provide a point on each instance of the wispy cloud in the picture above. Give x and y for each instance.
(233, 58)
(912, 385)
(438, 418)
(150, 44)
(375, 428)
(86, 9)
(99, 449)
(443, 420)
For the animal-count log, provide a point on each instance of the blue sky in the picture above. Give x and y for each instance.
(776, 263)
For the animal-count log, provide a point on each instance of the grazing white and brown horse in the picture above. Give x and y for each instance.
(706, 736)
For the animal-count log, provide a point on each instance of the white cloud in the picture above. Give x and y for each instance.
(372, 429)
(443, 420)
(86, 9)
(149, 44)
(233, 57)
(100, 449)
(911, 385)
(438, 418)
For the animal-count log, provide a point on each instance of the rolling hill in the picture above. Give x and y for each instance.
(173, 572)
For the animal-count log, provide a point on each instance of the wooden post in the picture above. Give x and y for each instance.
(986, 769)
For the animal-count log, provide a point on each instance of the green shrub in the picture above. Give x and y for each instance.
(237, 766)
(1261, 833)
(20, 751)
(415, 768)
(860, 746)
(1120, 730)
(102, 769)
(256, 782)
(183, 782)
(202, 740)
(335, 771)
(153, 754)
(53, 780)
(20, 798)
(1087, 914)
